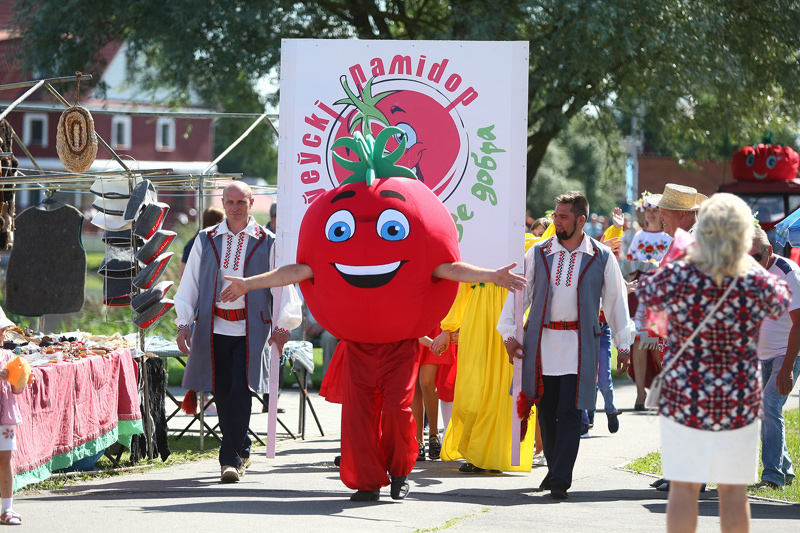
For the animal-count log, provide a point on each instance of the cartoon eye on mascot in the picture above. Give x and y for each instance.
(378, 265)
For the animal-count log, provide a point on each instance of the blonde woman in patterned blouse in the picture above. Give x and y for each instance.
(711, 397)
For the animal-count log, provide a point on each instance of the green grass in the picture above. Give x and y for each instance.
(184, 450)
(452, 522)
(651, 463)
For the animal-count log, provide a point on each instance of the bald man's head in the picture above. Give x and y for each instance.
(237, 199)
(238, 186)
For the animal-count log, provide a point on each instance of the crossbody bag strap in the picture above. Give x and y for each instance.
(702, 324)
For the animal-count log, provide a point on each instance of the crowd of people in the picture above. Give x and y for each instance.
(693, 289)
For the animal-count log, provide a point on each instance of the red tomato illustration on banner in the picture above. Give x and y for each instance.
(436, 144)
(373, 249)
(765, 162)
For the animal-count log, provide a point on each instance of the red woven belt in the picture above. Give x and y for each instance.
(231, 315)
(561, 325)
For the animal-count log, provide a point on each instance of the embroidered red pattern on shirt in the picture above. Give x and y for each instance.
(8, 433)
(559, 268)
(570, 268)
(226, 261)
(238, 251)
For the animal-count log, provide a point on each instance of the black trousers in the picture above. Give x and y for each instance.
(232, 396)
(560, 424)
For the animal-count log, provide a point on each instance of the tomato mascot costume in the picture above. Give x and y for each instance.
(373, 244)
(765, 162)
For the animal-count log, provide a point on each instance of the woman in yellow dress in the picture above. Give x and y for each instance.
(480, 427)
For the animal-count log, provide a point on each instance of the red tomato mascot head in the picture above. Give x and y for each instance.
(373, 246)
(765, 162)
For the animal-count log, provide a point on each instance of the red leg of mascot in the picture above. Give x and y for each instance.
(377, 425)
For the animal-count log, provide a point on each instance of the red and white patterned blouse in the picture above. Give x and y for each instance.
(715, 383)
(648, 246)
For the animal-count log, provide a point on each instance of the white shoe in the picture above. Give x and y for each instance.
(230, 474)
(539, 460)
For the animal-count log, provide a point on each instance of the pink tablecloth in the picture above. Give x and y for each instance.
(73, 403)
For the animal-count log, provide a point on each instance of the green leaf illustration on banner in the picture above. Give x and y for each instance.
(374, 160)
(365, 104)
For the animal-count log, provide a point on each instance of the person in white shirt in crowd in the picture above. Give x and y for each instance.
(229, 346)
(778, 345)
(566, 277)
(649, 245)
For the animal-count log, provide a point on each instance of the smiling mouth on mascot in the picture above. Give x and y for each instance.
(372, 250)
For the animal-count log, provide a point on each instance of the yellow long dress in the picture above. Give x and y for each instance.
(480, 427)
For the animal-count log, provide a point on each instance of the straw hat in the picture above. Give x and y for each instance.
(678, 198)
(76, 142)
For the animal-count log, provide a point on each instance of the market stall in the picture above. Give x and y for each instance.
(75, 408)
(131, 217)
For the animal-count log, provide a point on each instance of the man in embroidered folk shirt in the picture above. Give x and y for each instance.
(778, 345)
(229, 348)
(566, 277)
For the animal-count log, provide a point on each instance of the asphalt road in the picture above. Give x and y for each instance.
(300, 490)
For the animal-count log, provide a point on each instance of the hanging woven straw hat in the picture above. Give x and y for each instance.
(678, 198)
(76, 141)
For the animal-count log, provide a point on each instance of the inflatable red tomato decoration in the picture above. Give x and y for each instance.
(373, 250)
(765, 162)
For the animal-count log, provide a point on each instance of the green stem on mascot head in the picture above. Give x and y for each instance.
(374, 160)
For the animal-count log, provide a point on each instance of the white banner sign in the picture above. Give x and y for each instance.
(461, 105)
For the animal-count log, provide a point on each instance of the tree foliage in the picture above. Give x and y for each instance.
(707, 73)
(586, 156)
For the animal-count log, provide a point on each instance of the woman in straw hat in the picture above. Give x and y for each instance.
(711, 397)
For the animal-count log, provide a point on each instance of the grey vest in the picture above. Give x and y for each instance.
(590, 287)
(199, 374)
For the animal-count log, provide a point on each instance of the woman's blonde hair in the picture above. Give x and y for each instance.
(723, 237)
